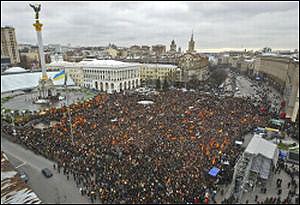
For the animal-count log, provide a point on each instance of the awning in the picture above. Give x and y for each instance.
(214, 171)
(282, 115)
(277, 122)
(259, 129)
(238, 142)
(271, 129)
(283, 154)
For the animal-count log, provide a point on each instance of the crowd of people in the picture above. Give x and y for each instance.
(125, 152)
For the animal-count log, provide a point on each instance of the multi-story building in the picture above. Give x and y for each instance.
(135, 50)
(110, 75)
(295, 115)
(234, 61)
(112, 52)
(173, 47)
(223, 59)
(191, 46)
(5, 63)
(73, 70)
(9, 45)
(247, 65)
(152, 72)
(145, 50)
(159, 49)
(179, 49)
(275, 67)
(193, 66)
(104, 75)
(30, 58)
(283, 73)
(56, 57)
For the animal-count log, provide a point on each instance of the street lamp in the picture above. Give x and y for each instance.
(13, 123)
(71, 129)
(69, 114)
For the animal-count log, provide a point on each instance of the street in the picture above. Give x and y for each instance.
(56, 189)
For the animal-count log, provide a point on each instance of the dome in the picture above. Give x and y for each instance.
(15, 70)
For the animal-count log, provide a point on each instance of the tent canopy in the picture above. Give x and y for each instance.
(277, 122)
(283, 154)
(261, 146)
(214, 171)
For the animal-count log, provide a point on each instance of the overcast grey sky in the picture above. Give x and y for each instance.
(215, 24)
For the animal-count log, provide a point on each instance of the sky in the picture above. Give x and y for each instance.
(216, 25)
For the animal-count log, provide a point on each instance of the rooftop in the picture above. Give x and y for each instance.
(13, 189)
(258, 145)
(15, 70)
(105, 63)
(159, 65)
(17, 81)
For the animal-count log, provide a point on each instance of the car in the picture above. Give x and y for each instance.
(23, 176)
(47, 173)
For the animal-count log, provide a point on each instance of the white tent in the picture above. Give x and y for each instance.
(18, 81)
(265, 154)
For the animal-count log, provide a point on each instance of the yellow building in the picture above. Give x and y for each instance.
(157, 71)
(73, 70)
(112, 52)
(193, 65)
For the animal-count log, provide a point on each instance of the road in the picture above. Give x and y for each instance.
(56, 189)
(244, 89)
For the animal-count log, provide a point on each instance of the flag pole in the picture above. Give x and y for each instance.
(69, 114)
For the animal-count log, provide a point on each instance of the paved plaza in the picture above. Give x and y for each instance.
(25, 101)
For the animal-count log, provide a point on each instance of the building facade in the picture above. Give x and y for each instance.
(30, 58)
(5, 63)
(110, 75)
(173, 47)
(72, 70)
(191, 46)
(193, 66)
(56, 57)
(283, 72)
(152, 72)
(158, 49)
(247, 65)
(9, 45)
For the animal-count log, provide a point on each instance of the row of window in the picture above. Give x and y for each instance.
(107, 75)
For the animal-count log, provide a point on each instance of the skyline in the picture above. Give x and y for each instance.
(236, 25)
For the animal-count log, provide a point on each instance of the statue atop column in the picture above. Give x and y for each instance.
(37, 9)
(45, 87)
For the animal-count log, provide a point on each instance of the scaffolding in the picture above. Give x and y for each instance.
(255, 163)
(241, 182)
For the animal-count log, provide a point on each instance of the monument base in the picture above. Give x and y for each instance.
(46, 90)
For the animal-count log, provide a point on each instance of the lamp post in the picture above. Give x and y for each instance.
(69, 114)
(13, 123)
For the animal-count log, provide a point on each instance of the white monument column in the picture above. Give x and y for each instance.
(38, 29)
(46, 87)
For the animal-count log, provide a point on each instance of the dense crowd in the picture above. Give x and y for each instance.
(125, 152)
